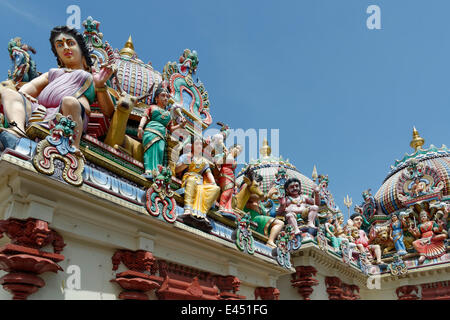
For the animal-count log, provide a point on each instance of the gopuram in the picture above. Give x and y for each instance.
(109, 190)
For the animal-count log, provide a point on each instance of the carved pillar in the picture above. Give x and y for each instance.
(23, 258)
(228, 286)
(407, 293)
(303, 280)
(334, 288)
(436, 291)
(134, 281)
(268, 293)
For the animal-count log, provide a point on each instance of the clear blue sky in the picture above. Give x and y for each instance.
(344, 97)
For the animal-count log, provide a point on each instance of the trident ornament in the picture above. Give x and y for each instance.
(348, 203)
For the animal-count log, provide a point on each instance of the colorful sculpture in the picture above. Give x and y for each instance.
(361, 240)
(116, 136)
(59, 145)
(243, 235)
(419, 182)
(200, 189)
(157, 122)
(227, 164)
(281, 251)
(295, 204)
(396, 233)
(23, 68)
(159, 197)
(326, 198)
(431, 238)
(249, 199)
(397, 267)
(339, 229)
(330, 233)
(69, 89)
(186, 92)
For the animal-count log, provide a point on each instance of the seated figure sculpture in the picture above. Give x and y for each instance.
(69, 89)
(201, 190)
(361, 240)
(250, 199)
(430, 242)
(295, 203)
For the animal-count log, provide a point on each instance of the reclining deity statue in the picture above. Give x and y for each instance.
(69, 89)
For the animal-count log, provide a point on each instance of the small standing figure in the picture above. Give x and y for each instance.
(430, 244)
(330, 231)
(24, 68)
(396, 233)
(158, 123)
(227, 164)
(339, 231)
(296, 203)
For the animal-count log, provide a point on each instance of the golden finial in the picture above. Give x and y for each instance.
(128, 48)
(314, 174)
(417, 141)
(265, 150)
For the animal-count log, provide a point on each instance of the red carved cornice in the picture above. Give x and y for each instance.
(303, 280)
(407, 293)
(267, 293)
(134, 281)
(436, 291)
(31, 233)
(173, 289)
(185, 283)
(24, 258)
(337, 290)
(228, 286)
(139, 261)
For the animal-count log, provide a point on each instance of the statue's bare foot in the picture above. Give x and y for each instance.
(271, 244)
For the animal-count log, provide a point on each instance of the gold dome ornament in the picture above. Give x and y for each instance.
(417, 141)
(265, 150)
(128, 49)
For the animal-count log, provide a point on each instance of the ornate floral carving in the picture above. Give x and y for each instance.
(58, 145)
(159, 196)
(179, 76)
(243, 235)
(281, 252)
(419, 182)
(397, 267)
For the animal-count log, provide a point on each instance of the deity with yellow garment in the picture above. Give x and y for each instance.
(200, 188)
